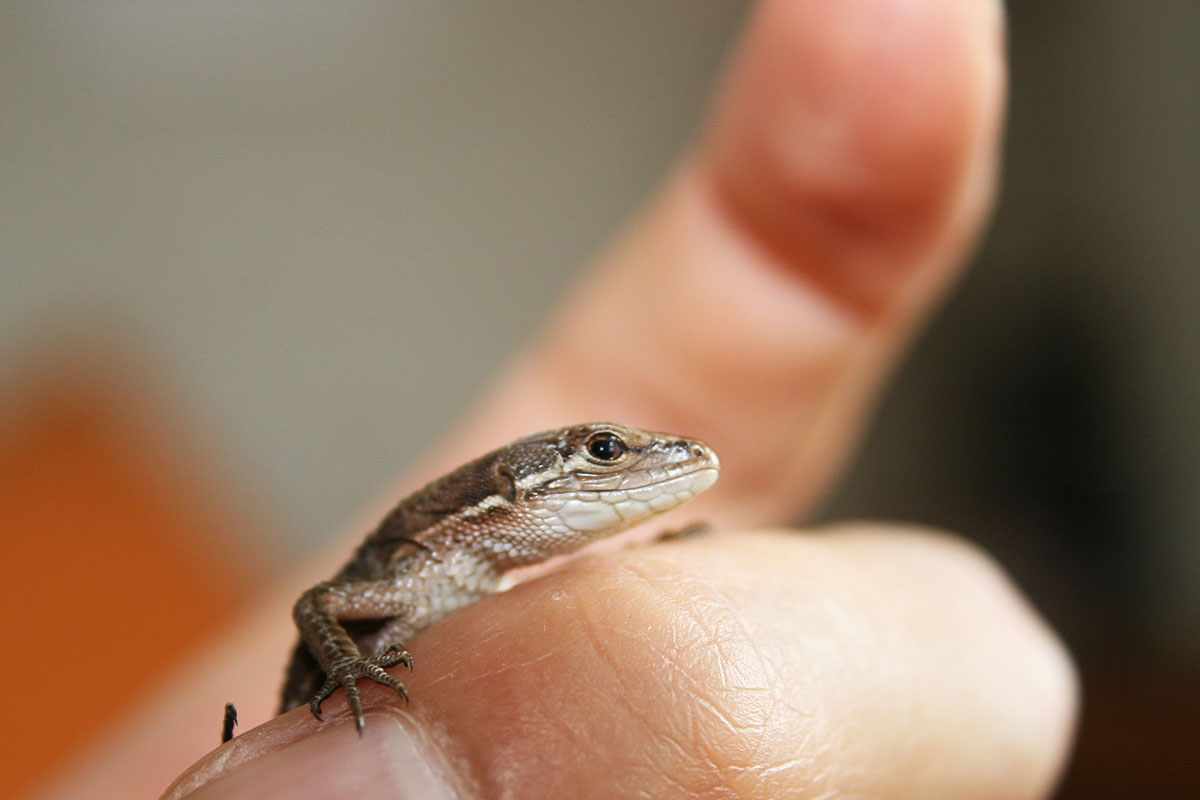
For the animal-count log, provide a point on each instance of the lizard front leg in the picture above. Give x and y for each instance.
(319, 613)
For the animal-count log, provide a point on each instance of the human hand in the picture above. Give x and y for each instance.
(758, 305)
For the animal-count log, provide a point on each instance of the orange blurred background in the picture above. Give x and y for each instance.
(120, 557)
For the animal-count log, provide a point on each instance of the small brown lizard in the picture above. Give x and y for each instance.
(450, 544)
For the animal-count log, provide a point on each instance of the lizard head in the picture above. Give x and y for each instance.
(587, 481)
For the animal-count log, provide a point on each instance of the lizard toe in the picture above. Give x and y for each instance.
(322, 695)
(392, 655)
(350, 684)
(381, 677)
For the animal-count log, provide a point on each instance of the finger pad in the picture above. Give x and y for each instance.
(626, 696)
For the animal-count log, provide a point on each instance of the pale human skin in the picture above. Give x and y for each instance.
(758, 304)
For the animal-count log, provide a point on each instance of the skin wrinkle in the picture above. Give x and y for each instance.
(497, 638)
(958, 571)
(599, 645)
(454, 753)
(676, 594)
(688, 761)
(721, 641)
(497, 773)
(755, 750)
(732, 767)
(700, 643)
(837, 625)
(827, 566)
(623, 698)
(498, 669)
(847, 627)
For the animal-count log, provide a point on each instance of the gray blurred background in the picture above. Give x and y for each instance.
(320, 228)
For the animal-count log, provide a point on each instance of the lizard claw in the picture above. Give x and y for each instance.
(346, 674)
(321, 696)
(392, 655)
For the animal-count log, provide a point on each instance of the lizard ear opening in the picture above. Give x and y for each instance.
(506, 483)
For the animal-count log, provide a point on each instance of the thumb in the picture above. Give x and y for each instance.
(760, 301)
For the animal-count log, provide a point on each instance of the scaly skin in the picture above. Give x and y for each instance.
(450, 544)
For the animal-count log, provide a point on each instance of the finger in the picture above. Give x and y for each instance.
(902, 665)
(763, 296)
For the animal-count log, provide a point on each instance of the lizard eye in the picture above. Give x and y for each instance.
(606, 447)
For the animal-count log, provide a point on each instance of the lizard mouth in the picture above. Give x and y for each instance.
(590, 486)
(668, 491)
(610, 509)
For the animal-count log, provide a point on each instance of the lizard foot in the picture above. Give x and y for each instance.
(345, 674)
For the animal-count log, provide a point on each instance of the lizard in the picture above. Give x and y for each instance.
(452, 543)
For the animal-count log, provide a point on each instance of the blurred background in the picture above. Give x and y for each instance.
(254, 258)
